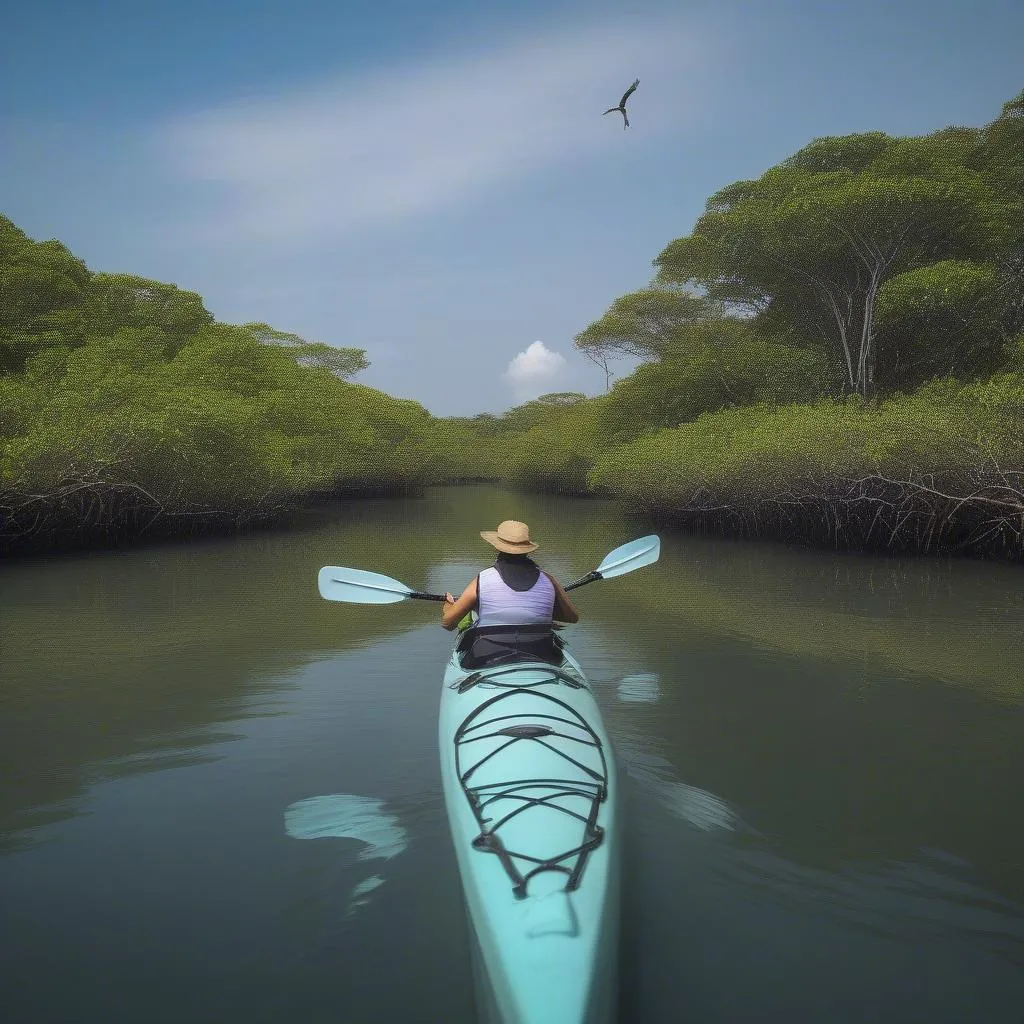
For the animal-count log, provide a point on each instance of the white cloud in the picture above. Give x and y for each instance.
(533, 370)
(385, 144)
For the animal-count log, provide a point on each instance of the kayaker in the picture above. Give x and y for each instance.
(515, 590)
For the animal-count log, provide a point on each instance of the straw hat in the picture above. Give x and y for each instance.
(511, 536)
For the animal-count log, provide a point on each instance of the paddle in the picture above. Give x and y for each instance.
(634, 555)
(360, 586)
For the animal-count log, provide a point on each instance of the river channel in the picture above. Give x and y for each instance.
(823, 760)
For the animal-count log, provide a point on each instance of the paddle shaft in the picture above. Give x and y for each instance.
(591, 577)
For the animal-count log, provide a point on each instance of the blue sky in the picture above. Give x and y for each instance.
(434, 182)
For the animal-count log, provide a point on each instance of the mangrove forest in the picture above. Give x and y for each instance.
(834, 356)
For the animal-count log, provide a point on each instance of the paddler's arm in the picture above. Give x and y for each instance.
(564, 610)
(452, 611)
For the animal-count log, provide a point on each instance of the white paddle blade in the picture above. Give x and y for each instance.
(634, 555)
(360, 586)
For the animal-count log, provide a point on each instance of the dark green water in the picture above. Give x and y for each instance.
(824, 757)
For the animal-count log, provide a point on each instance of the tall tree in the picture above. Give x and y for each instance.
(812, 248)
(643, 324)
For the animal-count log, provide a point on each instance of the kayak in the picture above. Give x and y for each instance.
(532, 798)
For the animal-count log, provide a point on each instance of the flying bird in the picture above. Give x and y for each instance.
(622, 104)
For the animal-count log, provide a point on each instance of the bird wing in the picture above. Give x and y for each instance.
(629, 92)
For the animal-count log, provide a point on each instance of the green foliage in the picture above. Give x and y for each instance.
(1014, 356)
(146, 399)
(1002, 154)
(547, 408)
(228, 421)
(41, 293)
(756, 453)
(731, 452)
(536, 444)
(457, 448)
(808, 246)
(643, 324)
(944, 154)
(720, 364)
(21, 397)
(560, 399)
(342, 362)
(865, 263)
(557, 453)
(486, 424)
(939, 287)
(942, 320)
(162, 313)
(852, 153)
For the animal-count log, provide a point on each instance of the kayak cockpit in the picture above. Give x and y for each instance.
(484, 646)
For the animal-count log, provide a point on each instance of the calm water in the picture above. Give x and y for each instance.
(824, 758)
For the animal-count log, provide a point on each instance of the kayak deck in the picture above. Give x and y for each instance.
(531, 793)
(576, 783)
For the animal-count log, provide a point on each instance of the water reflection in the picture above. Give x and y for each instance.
(347, 816)
(935, 896)
(910, 900)
(657, 776)
(640, 688)
(360, 893)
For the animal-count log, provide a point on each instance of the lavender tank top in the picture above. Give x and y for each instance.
(499, 605)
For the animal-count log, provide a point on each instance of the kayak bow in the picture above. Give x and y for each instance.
(532, 797)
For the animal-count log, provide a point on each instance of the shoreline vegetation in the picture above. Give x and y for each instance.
(834, 357)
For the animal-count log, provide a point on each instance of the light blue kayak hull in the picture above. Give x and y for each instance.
(530, 785)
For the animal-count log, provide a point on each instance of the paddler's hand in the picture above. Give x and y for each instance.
(448, 599)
